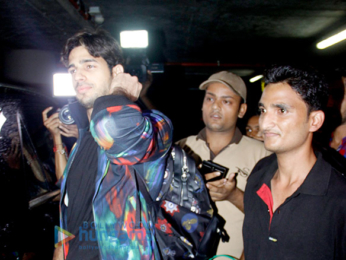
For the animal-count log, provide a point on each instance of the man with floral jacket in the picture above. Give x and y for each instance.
(100, 204)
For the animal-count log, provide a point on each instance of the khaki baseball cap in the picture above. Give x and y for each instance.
(229, 79)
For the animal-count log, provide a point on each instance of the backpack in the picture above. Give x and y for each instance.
(187, 226)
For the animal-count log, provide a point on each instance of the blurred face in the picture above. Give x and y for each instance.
(221, 108)
(283, 119)
(90, 75)
(252, 128)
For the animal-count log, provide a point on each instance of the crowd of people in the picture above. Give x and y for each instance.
(281, 199)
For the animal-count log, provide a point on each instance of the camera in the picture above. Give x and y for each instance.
(139, 70)
(65, 115)
(210, 166)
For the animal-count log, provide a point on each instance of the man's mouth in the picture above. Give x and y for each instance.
(215, 116)
(269, 134)
(83, 88)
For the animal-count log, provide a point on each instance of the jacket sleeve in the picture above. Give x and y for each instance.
(128, 136)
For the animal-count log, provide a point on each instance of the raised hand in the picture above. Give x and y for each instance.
(124, 83)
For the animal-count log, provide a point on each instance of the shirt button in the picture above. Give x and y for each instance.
(278, 211)
(273, 239)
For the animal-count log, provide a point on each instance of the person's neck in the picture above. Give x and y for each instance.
(294, 166)
(218, 140)
(89, 112)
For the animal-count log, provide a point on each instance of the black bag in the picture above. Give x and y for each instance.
(186, 224)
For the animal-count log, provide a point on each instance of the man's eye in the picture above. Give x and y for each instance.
(283, 111)
(72, 71)
(249, 130)
(227, 102)
(90, 66)
(261, 110)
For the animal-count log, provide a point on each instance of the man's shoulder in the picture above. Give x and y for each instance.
(253, 145)
(247, 140)
(263, 166)
(184, 141)
(338, 181)
(193, 148)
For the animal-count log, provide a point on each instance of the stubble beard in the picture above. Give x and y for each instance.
(88, 101)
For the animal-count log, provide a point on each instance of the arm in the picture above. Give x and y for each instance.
(118, 125)
(225, 189)
(338, 135)
(58, 253)
(57, 129)
(143, 95)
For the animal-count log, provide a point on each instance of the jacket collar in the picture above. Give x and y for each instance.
(236, 138)
(316, 182)
(79, 114)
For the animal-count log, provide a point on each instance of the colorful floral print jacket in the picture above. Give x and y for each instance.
(128, 141)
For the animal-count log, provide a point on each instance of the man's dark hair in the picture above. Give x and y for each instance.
(306, 81)
(99, 43)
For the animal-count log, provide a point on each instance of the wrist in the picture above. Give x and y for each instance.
(60, 148)
(234, 195)
(57, 139)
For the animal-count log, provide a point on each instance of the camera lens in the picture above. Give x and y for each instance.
(65, 116)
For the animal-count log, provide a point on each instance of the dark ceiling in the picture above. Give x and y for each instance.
(193, 38)
(227, 32)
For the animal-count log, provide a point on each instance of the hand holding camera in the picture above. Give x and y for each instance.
(51, 123)
(219, 188)
(211, 167)
(60, 122)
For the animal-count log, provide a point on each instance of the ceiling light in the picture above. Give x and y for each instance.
(332, 40)
(62, 85)
(134, 39)
(254, 79)
(2, 119)
(95, 12)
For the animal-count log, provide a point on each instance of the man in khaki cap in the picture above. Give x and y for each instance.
(222, 142)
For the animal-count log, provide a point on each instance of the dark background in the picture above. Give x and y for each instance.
(192, 39)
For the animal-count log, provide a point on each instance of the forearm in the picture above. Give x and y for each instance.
(119, 127)
(236, 197)
(60, 157)
(58, 253)
(147, 102)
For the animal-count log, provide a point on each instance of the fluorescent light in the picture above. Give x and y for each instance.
(332, 40)
(254, 79)
(134, 39)
(2, 119)
(62, 85)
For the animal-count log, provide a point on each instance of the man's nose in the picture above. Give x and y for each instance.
(266, 121)
(79, 75)
(216, 104)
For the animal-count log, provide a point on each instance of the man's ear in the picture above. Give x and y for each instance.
(316, 119)
(117, 69)
(242, 110)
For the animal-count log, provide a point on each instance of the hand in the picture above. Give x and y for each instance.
(69, 130)
(12, 157)
(338, 134)
(15, 138)
(52, 123)
(147, 83)
(221, 189)
(124, 83)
